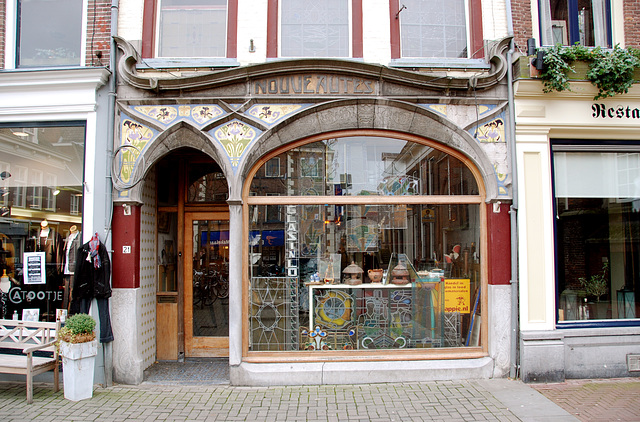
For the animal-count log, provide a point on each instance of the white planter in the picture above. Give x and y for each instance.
(78, 361)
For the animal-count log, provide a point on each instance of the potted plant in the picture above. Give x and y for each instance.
(78, 348)
(596, 285)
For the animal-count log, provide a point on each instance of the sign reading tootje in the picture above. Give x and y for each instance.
(457, 296)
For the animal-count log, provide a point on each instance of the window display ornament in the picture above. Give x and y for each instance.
(353, 274)
(5, 283)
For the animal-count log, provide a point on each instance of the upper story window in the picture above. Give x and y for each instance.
(568, 22)
(314, 28)
(434, 28)
(49, 33)
(190, 29)
(320, 28)
(422, 30)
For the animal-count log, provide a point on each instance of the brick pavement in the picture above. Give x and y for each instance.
(598, 399)
(466, 400)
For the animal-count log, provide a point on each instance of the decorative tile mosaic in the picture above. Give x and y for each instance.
(235, 137)
(148, 271)
(135, 135)
(272, 113)
(200, 114)
(491, 131)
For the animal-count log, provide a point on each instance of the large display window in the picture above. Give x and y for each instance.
(597, 198)
(41, 191)
(364, 243)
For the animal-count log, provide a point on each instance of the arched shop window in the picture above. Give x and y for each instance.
(361, 243)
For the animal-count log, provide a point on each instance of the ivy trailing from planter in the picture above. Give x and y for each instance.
(611, 71)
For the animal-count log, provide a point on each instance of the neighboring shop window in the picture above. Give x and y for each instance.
(567, 22)
(597, 202)
(315, 28)
(433, 28)
(41, 173)
(192, 28)
(59, 42)
(374, 247)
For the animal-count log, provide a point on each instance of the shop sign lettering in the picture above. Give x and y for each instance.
(291, 260)
(314, 85)
(457, 296)
(617, 112)
(17, 295)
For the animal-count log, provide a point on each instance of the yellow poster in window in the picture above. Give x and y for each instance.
(457, 295)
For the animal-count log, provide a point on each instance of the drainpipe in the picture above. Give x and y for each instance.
(513, 212)
(111, 106)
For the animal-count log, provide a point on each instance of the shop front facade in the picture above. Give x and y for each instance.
(315, 221)
(55, 120)
(578, 167)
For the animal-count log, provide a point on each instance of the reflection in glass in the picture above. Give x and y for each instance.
(597, 234)
(298, 277)
(41, 192)
(361, 165)
(210, 278)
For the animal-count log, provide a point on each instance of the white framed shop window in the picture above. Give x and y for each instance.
(597, 207)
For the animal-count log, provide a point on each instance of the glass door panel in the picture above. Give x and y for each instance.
(207, 284)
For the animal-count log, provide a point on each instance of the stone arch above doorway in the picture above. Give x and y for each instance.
(386, 116)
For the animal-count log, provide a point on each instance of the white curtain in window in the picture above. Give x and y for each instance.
(314, 28)
(597, 175)
(434, 28)
(599, 22)
(546, 31)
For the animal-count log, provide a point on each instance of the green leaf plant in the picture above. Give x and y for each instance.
(610, 70)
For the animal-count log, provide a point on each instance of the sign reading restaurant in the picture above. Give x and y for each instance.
(616, 112)
(313, 84)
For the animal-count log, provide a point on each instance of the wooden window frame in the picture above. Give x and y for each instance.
(475, 29)
(467, 352)
(149, 29)
(273, 29)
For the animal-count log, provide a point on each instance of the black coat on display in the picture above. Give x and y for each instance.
(88, 281)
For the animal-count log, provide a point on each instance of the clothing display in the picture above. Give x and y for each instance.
(71, 246)
(92, 279)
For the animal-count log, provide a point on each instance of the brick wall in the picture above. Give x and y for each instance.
(632, 23)
(98, 32)
(521, 13)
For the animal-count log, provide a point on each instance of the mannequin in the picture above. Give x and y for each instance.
(71, 245)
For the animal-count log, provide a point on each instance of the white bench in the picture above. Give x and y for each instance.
(29, 337)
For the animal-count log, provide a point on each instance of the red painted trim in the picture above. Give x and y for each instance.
(232, 29)
(475, 18)
(394, 36)
(148, 29)
(272, 29)
(125, 270)
(499, 235)
(356, 32)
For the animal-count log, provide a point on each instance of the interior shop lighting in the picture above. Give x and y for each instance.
(4, 191)
(4, 211)
(5, 175)
(56, 192)
(22, 133)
